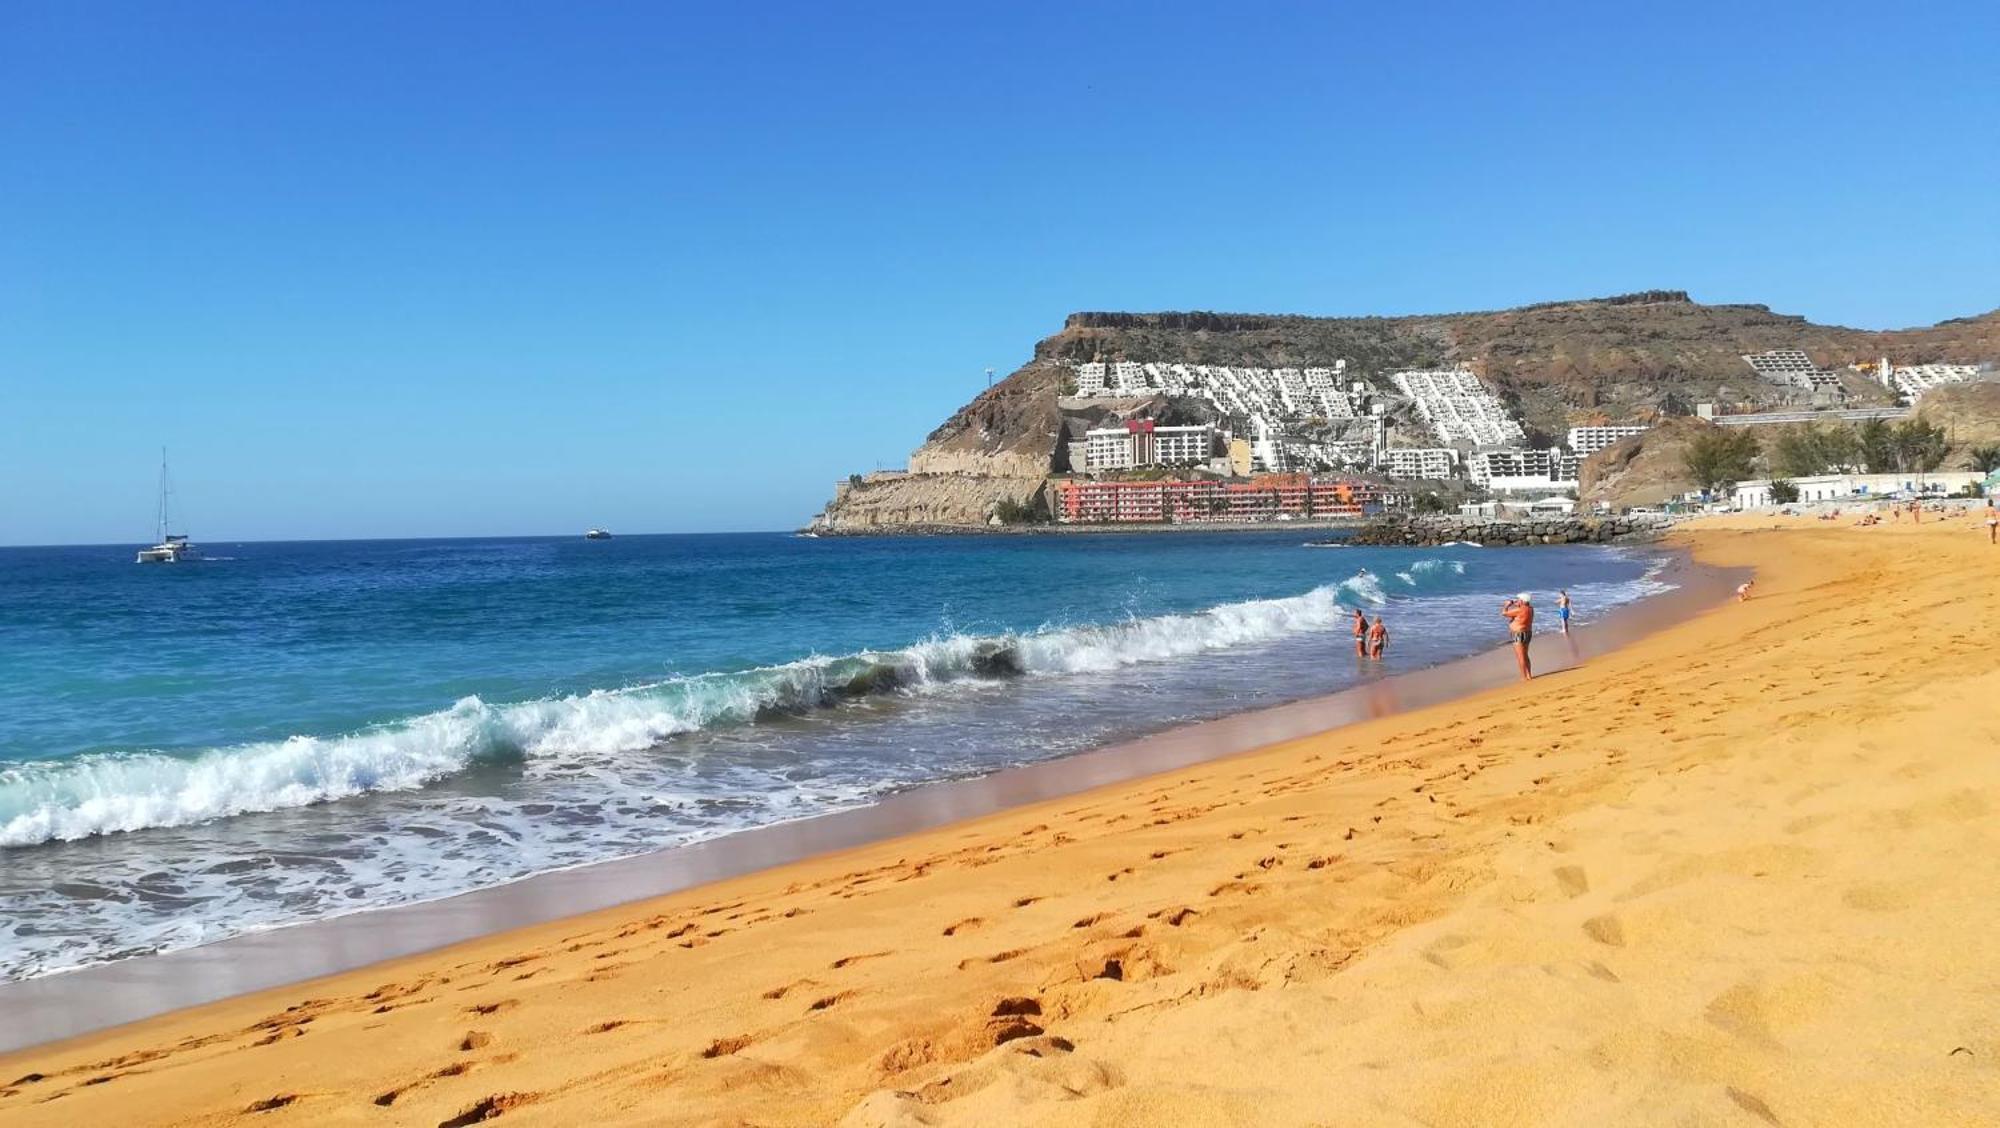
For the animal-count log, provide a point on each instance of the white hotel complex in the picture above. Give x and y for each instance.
(1140, 443)
(1434, 463)
(1586, 441)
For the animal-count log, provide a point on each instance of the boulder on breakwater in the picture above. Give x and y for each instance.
(1415, 531)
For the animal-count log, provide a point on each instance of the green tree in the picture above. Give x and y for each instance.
(1799, 452)
(1985, 459)
(1875, 443)
(1919, 447)
(1428, 502)
(1720, 457)
(1783, 492)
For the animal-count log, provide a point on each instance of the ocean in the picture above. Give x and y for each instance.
(289, 731)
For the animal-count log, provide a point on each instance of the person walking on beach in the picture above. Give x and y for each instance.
(1378, 636)
(1562, 608)
(1520, 615)
(1360, 634)
(1992, 524)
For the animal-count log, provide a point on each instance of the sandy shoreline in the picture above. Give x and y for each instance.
(50, 1008)
(1731, 872)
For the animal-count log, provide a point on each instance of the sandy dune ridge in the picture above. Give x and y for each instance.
(1740, 872)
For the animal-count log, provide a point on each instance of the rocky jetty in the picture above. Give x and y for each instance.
(1492, 532)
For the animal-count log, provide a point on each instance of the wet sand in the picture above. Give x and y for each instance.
(1733, 871)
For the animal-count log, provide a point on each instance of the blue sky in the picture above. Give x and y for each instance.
(438, 269)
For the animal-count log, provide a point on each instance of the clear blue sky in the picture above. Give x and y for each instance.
(438, 269)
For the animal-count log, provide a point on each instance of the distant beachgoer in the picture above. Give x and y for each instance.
(1743, 591)
(1360, 634)
(1520, 615)
(1992, 524)
(1378, 635)
(1562, 608)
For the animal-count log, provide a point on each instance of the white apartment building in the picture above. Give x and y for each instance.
(1141, 443)
(1419, 462)
(1516, 469)
(1182, 446)
(1586, 441)
(1108, 448)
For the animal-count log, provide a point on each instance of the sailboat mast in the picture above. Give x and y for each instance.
(163, 497)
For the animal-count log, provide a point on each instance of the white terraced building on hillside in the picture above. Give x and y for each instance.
(1259, 402)
(1586, 441)
(1459, 408)
(1914, 380)
(1272, 393)
(1792, 366)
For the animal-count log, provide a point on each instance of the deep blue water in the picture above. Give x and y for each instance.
(286, 731)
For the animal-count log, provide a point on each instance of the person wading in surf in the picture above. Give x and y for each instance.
(1360, 634)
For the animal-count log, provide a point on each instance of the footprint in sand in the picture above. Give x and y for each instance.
(1573, 881)
(723, 1047)
(1605, 930)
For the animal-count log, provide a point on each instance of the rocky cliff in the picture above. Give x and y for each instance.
(1560, 364)
(1646, 469)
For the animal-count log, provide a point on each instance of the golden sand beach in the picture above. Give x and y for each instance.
(1742, 871)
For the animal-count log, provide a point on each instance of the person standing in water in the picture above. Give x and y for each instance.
(1562, 608)
(1520, 615)
(1360, 634)
(1378, 636)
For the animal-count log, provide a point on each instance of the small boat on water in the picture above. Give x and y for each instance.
(597, 534)
(174, 548)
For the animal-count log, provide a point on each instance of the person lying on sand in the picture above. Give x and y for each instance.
(1520, 615)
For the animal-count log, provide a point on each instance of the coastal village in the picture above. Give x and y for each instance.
(1167, 443)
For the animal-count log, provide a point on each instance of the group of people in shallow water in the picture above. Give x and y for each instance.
(1371, 638)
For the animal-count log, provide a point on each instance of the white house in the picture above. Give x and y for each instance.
(1857, 487)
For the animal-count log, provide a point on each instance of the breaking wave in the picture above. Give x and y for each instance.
(109, 793)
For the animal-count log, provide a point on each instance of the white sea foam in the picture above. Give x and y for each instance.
(115, 792)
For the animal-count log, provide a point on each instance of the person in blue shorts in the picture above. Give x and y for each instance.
(1562, 608)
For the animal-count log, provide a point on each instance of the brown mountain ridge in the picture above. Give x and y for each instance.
(1558, 364)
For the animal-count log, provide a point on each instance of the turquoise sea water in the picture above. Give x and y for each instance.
(288, 731)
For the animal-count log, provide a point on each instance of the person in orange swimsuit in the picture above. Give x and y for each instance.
(1378, 636)
(1360, 634)
(1520, 615)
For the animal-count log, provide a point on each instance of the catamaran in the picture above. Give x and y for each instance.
(173, 548)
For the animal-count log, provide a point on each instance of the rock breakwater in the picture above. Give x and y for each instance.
(1492, 532)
